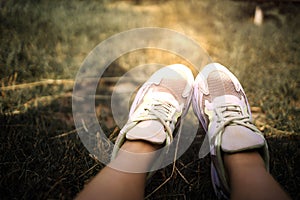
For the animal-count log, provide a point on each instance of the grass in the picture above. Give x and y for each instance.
(42, 156)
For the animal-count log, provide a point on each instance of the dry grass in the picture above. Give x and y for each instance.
(41, 155)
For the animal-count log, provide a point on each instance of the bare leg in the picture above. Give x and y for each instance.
(249, 179)
(153, 117)
(113, 184)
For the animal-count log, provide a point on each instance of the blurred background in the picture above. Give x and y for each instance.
(43, 44)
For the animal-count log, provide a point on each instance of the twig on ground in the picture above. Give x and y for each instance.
(54, 185)
(65, 134)
(173, 168)
(35, 102)
(276, 132)
(87, 171)
(45, 99)
(38, 83)
(62, 82)
(160, 186)
(256, 109)
(182, 176)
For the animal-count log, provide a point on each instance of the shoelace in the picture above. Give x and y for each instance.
(231, 114)
(226, 115)
(156, 109)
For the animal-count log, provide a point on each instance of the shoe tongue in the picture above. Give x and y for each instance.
(227, 99)
(150, 130)
(239, 138)
(163, 96)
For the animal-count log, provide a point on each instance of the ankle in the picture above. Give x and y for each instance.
(139, 146)
(243, 160)
(135, 157)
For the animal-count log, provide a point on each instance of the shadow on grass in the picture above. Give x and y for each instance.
(40, 162)
(34, 164)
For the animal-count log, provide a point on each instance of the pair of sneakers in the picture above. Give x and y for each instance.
(218, 101)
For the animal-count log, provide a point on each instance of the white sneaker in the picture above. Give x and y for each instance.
(157, 107)
(221, 105)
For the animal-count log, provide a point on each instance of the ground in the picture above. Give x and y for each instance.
(44, 43)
